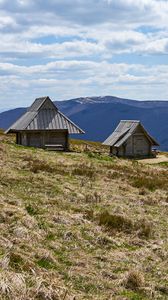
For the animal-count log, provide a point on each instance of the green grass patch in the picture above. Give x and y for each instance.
(133, 295)
(100, 156)
(62, 257)
(32, 211)
(85, 284)
(45, 263)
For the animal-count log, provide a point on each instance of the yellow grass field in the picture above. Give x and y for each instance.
(81, 225)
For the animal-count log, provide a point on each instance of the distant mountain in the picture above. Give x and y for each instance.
(98, 116)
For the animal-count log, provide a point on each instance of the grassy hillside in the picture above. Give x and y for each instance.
(81, 225)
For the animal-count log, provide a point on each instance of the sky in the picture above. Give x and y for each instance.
(76, 48)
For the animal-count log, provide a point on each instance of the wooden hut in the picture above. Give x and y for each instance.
(130, 139)
(44, 126)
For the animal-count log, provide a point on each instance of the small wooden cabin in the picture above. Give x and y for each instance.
(44, 126)
(130, 139)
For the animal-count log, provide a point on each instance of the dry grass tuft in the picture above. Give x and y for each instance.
(119, 222)
(150, 183)
(93, 198)
(2, 148)
(12, 285)
(114, 221)
(145, 228)
(84, 170)
(134, 280)
(37, 165)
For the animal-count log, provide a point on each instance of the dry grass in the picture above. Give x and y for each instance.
(134, 280)
(81, 225)
(116, 222)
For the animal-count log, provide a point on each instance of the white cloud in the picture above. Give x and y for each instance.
(83, 45)
(68, 79)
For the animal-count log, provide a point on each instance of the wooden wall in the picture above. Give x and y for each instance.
(137, 145)
(41, 138)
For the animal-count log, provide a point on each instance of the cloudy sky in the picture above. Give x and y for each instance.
(73, 48)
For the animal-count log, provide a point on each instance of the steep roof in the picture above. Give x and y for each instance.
(124, 130)
(38, 103)
(44, 115)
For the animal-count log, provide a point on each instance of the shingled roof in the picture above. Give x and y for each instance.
(123, 131)
(44, 115)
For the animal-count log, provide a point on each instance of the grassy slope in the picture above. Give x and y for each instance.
(81, 225)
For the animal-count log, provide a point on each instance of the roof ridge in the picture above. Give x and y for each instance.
(133, 121)
(43, 99)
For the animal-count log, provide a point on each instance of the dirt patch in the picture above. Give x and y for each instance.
(156, 160)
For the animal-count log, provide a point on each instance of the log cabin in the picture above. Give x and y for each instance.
(130, 139)
(44, 126)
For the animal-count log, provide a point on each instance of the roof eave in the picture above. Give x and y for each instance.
(10, 130)
(107, 144)
(150, 138)
(81, 132)
(156, 144)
